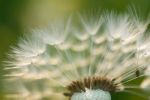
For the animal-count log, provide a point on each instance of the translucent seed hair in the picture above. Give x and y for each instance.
(87, 56)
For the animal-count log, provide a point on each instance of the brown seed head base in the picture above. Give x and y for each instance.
(94, 82)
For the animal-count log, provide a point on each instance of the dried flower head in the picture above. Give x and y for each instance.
(87, 58)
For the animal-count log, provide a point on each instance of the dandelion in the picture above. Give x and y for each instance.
(89, 60)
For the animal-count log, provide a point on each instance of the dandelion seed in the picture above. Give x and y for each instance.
(91, 21)
(55, 33)
(87, 63)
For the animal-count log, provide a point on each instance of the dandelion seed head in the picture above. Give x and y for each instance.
(87, 61)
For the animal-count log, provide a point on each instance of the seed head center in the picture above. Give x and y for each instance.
(93, 83)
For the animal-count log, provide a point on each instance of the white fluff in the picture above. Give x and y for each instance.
(99, 45)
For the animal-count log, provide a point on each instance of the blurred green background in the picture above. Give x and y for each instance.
(19, 16)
